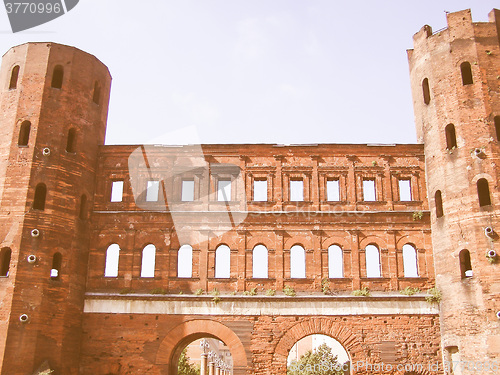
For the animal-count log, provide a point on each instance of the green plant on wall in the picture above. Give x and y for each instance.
(409, 291)
(418, 215)
(434, 295)
(289, 291)
(363, 292)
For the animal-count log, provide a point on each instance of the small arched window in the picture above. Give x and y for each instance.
(185, 261)
(40, 195)
(335, 262)
(57, 77)
(148, 261)
(451, 137)
(55, 272)
(13, 77)
(465, 264)
(96, 97)
(260, 262)
(410, 266)
(466, 71)
(223, 262)
(438, 201)
(372, 261)
(82, 214)
(24, 133)
(112, 260)
(426, 91)
(71, 140)
(483, 192)
(5, 255)
(297, 262)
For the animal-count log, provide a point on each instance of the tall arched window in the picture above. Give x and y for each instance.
(410, 266)
(148, 261)
(466, 71)
(71, 141)
(438, 201)
(185, 261)
(426, 91)
(55, 272)
(112, 260)
(82, 214)
(297, 262)
(57, 77)
(260, 262)
(13, 77)
(335, 262)
(5, 255)
(97, 93)
(451, 137)
(372, 261)
(223, 262)
(465, 264)
(24, 133)
(40, 195)
(483, 192)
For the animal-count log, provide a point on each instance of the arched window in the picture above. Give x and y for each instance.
(483, 192)
(426, 91)
(297, 262)
(260, 262)
(410, 261)
(148, 261)
(112, 260)
(24, 134)
(497, 127)
(185, 261)
(372, 261)
(83, 207)
(40, 195)
(71, 140)
(55, 272)
(335, 262)
(57, 77)
(223, 262)
(5, 254)
(438, 201)
(97, 93)
(13, 77)
(451, 138)
(465, 265)
(466, 73)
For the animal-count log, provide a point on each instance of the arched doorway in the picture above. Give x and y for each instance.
(204, 356)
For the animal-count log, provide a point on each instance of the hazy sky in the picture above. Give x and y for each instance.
(253, 71)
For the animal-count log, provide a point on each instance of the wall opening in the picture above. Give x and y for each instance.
(404, 186)
(260, 261)
(24, 133)
(112, 261)
(372, 255)
(223, 262)
(335, 262)
(497, 127)
(466, 71)
(13, 78)
(207, 352)
(152, 190)
(451, 137)
(297, 262)
(332, 191)
(55, 272)
(224, 190)
(410, 264)
(185, 261)
(82, 214)
(187, 190)
(71, 141)
(465, 264)
(117, 191)
(96, 97)
(40, 195)
(369, 193)
(57, 77)
(260, 190)
(5, 255)
(483, 192)
(438, 201)
(148, 261)
(296, 190)
(426, 91)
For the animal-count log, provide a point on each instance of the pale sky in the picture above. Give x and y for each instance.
(253, 71)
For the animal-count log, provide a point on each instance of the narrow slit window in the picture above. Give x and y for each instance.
(57, 77)
(148, 261)
(152, 190)
(372, 261)
(112, 261)
(71, 140)
(223, 262)
(260, 262)
(83, 207)
(335, 262)
(466, 71)
(465, 264)
(451, 137)
(40, 196)
(187, 191)
(426, 91)
(260, 190)
(224, 190)
(13, 78)
(332, 191)
(117, 191)
(296, 190)
(5, 255)
(96, 97)
(438, 200)
(483, 192)
(297, 262)
(185, 261)
(410, 267)
(24, 133)
(404, 190)
(369, 194)
(55, 272)
(497, 127)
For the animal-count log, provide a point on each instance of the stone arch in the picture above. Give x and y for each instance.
(315, 326)
(380, 242)
(335, 240)
(302, 240)
(176, 339)
(260, 240)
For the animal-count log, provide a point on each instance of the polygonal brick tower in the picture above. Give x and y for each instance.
(53, 110)
(455, 76)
